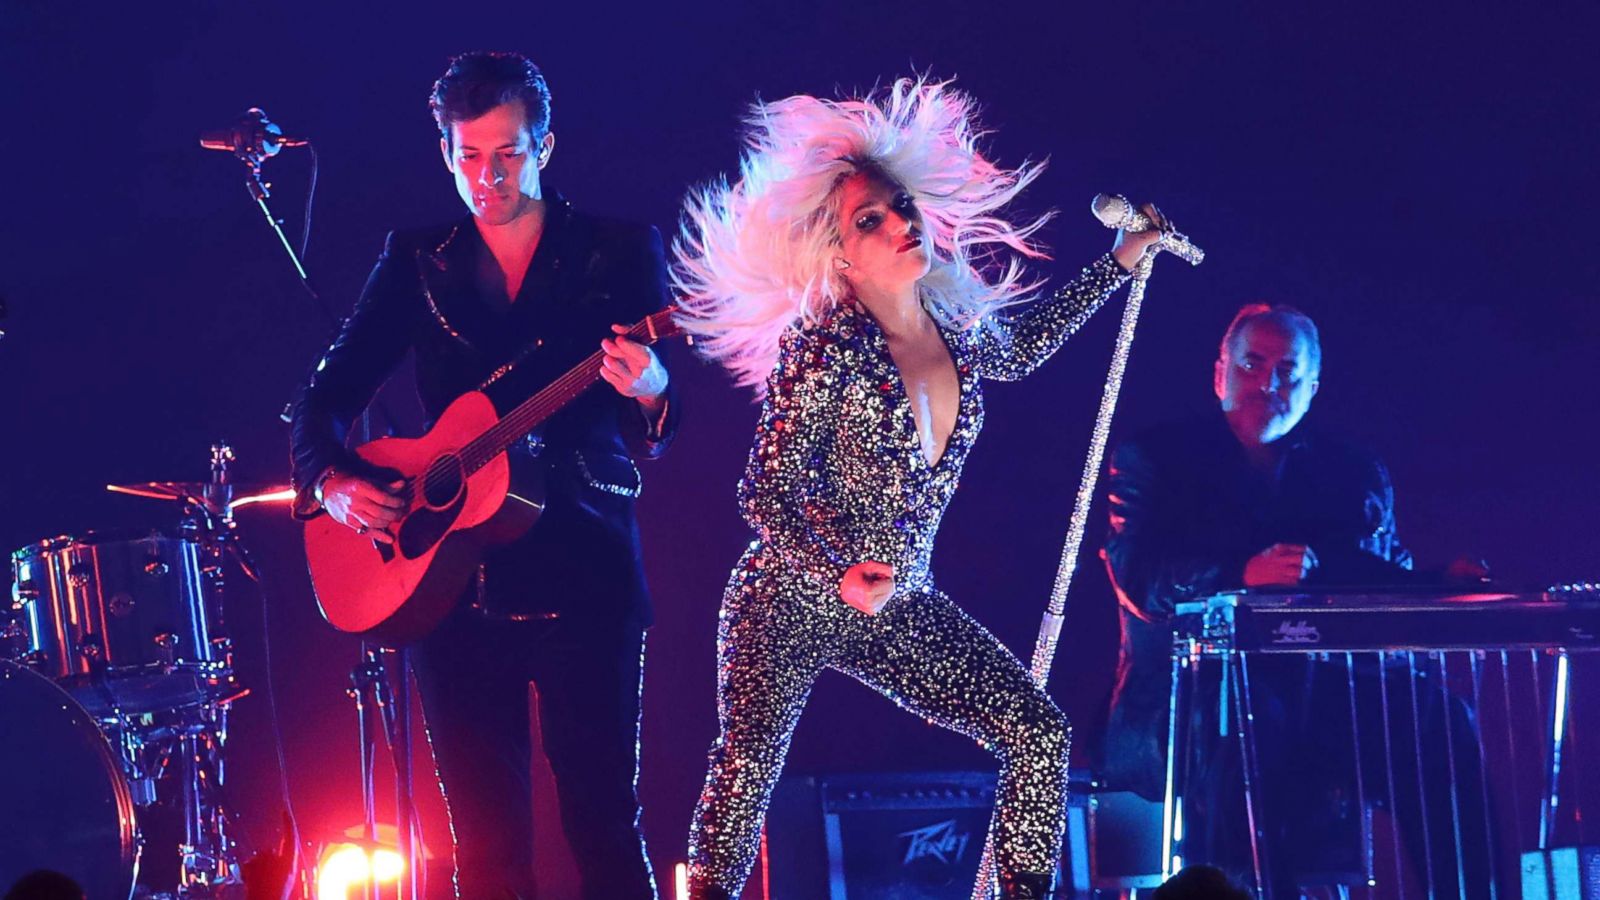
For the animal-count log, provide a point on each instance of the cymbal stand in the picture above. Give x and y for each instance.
(209, 857)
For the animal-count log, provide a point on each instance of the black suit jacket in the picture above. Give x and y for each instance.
(1187, 512)
(427, 296)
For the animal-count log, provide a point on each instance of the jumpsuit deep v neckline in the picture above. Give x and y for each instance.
(903, 392)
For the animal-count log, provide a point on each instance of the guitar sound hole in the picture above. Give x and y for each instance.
(442, 482)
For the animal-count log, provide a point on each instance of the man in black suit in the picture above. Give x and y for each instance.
(1250, 496)
(505, 301)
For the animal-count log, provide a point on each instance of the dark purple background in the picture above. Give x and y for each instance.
(1421, 182)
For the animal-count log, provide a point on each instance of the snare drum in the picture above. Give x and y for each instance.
(67, 807)
(127, 611)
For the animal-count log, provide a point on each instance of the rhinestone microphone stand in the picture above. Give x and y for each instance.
(1114, 212)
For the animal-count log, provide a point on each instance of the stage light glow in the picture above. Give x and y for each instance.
(387, 865)
(1562, 677)
(680, 881)
(347, 866)
(341, 868)
(270, 497)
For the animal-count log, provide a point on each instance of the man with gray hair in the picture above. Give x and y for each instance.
(1255, 498)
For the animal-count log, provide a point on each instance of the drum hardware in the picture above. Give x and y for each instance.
(119, 606)
(130, 626)
(195, 737)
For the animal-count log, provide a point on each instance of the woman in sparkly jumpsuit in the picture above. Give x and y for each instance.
(854, 274)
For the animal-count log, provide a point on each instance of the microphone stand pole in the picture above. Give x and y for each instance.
(253, 156)
(1044, 648)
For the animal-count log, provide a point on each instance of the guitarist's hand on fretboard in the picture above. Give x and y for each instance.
(359, 504)
(632, 368)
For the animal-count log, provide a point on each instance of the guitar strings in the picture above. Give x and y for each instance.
(477, 453)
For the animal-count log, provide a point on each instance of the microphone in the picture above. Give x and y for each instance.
(1114, 211)
(250, 136)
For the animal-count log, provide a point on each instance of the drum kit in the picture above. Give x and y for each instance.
(116, 675)
(116, 678)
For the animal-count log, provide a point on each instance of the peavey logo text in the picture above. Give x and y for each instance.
(938, 841)
(1296, 633)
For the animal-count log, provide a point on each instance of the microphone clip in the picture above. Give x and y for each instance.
(252, 139)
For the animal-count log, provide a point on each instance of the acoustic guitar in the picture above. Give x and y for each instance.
(456, 481)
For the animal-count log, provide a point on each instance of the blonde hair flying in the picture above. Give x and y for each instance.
(756, 256)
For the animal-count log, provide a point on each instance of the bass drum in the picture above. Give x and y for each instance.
(66, 806)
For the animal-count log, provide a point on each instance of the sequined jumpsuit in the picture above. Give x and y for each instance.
(837, 476)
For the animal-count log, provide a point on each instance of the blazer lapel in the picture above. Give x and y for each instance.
(449, 289)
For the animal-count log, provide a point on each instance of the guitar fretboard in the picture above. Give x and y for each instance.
(531, 413)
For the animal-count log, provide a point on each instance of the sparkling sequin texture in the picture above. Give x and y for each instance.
(837, 476)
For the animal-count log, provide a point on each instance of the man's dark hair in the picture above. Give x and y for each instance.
(479, 81)
(43, 884)
(1200, 883)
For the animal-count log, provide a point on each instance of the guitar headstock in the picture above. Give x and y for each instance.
(657, 326)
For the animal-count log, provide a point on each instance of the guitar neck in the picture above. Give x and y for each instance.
(533, 412)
